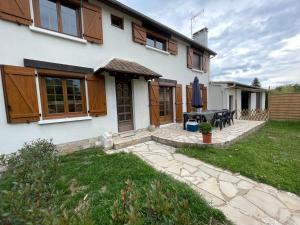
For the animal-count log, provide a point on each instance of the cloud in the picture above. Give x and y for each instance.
(290, 46)
(252, 38)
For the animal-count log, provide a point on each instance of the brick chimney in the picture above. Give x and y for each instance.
(201, 36)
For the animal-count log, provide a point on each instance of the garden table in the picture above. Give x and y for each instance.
(208, 115)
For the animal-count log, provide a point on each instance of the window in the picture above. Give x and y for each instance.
(58, 16)
(197, 61)
(62, 97)
(155, 42)
(48, 15)
(117, 21)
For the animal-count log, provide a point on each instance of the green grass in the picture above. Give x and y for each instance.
(102, 177)
(270, 155)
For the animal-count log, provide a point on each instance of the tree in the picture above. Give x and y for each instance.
(256, 82)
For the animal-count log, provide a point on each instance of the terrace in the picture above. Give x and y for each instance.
(174, 135)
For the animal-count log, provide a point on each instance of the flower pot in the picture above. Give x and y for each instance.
(206, 138)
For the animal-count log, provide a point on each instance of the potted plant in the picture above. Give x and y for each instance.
(205, 129)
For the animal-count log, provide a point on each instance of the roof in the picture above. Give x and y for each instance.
(235, 84)
(128, 67)
(118, 5)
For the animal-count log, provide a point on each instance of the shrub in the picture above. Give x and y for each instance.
(30, 195)
(160, 207)
(32, 171)
(205, 128)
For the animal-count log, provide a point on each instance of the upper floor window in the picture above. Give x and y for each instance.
(155, 42)
(117, 21)
(197, 61)
(58, 16)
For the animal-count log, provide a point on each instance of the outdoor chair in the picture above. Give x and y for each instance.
(217, 120)
(230, 118)
(225, 118)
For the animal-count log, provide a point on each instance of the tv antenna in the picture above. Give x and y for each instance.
(193, 18)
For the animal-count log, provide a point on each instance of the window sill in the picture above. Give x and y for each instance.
(56, 34)
(198, 71)
(64, 120)
(157, 50)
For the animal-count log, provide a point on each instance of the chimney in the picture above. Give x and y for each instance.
(201, 36)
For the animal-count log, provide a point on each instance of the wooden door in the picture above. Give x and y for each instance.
(165, 105)
(189, 93)
(154, 103)
(178, 103)
(124, 104)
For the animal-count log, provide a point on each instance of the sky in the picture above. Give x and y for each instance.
(253, 38)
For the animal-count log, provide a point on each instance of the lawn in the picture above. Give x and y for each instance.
(270, 155)
(103, 176)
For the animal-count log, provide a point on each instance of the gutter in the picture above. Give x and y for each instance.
(232, 86)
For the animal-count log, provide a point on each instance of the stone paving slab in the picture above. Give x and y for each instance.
(243, 201)
(174, 135)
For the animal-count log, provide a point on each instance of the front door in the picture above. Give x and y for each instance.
(124, 104)
(165, 105)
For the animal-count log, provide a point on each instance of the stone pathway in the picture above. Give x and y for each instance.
(243, 201)
(175, 136)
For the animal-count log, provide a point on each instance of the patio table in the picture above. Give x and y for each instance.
(208, 115)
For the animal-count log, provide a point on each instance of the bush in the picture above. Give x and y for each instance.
(31, 174)
(205, 128)
(160, 207)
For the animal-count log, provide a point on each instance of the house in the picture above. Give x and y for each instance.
(236, 96)
(73, 70)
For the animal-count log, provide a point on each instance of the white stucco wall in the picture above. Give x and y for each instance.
(12, 136)
(228, 93)
(238, 102)
(19, 42)
(263, 100)
(217, 96)
(141, 104)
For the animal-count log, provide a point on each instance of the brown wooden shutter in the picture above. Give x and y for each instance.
(204, 97)
(189, 93)
(92, 23)
(16, 11)
(154, 103)
(139, 34)
(172, 47)
(96, 95)
(205, 63)
(190, 57)
(178, 103)
(20, 94)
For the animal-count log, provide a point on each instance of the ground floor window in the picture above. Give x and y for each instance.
(62, 97)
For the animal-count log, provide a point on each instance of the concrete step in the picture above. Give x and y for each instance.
(123, 141)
